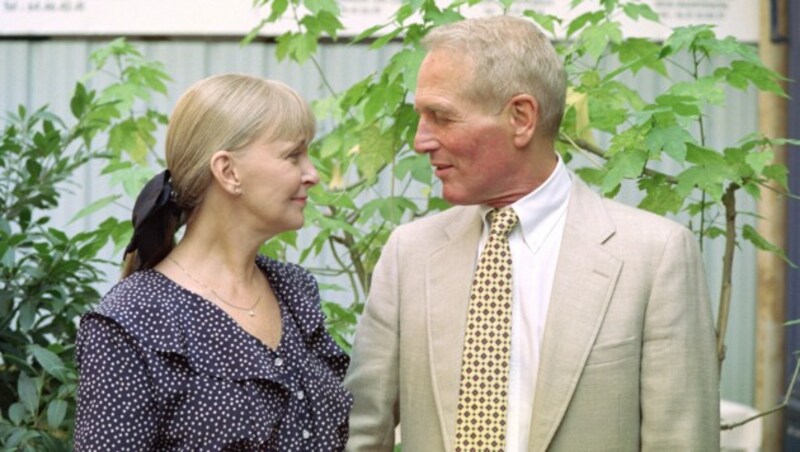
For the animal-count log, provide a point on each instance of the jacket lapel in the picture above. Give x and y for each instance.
(447, 295)
(585, 278)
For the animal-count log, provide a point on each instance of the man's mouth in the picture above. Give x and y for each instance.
(441, 169)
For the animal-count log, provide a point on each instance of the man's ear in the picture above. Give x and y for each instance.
(524, 112)
(224, 170)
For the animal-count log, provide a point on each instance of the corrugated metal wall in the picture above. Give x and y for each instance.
(35, 73)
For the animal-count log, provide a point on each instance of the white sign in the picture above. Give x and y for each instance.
(738, 18)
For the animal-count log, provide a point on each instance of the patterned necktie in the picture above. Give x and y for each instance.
(483, 394)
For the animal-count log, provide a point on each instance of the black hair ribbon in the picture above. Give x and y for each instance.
(154, 208)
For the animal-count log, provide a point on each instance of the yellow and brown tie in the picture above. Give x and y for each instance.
(483, 394)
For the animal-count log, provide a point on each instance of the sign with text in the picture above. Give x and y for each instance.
(738, 18)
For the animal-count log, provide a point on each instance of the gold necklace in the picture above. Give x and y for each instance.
(249, 310)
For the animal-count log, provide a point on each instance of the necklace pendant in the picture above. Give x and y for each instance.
(252, 314)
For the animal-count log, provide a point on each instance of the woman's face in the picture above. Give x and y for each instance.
(275, 178)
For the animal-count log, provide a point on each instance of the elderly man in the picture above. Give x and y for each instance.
(535, 315)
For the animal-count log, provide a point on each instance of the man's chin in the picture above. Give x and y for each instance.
(457, 199)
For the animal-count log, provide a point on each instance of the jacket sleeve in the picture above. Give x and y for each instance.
(373, 374)
(116, 410)
(680, 378)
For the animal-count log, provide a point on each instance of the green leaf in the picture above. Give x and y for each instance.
(681, 105)
(254, 32)
(383, 40)
(329, 23)
(49, 361)
(585, 18)
(759, 160)
(317, 6)
(671, 140)
(405, 11)
(418, 165)
(94, 207)
(376, 150)
(27, 314)
(689, 95)
(728, 46)
(685, 37)
(28, 393)
(392, 208)
(440, 17)
(638, 53)
(763, 78)
(592, 176)
(596, 38)
(777, 173)
(636, 10)
(703, 156)
(546, 21)
(16, 413)
(56, 411)
(709, 179)
(623, 165)
(751, 234)
(661, 198)
(368, 33)
(78, 102)
(297, 46)
(406, 64)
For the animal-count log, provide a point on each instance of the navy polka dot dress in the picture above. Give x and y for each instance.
(163, 369)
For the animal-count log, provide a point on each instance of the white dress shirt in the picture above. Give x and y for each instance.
(535, 242)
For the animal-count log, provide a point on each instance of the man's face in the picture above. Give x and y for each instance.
(472, 150)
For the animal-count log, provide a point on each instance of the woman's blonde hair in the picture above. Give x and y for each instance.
(223, 112)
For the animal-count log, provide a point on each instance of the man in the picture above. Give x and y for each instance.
(611, 339)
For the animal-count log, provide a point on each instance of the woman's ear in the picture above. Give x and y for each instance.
(223, 168)
(524, 110)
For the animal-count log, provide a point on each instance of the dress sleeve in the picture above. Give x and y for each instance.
(116, 407)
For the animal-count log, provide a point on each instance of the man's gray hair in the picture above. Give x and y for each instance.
(510, 56)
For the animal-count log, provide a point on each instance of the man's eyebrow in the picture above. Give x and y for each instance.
(434, 108)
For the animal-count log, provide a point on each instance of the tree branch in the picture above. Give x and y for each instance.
(783, 405)
(585, 146)
(729, 201)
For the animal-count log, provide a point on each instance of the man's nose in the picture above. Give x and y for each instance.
(424, 140)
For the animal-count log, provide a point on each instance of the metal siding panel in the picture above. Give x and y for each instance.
(14, 74)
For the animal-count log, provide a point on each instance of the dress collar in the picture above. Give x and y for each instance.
(189, 325)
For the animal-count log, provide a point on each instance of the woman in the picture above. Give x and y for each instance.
(205, 345)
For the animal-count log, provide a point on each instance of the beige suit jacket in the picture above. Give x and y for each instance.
(628, 359)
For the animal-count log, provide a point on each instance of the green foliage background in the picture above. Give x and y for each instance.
(372, 179)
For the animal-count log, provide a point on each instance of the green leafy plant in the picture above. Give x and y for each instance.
(47, 277)
(370, 145)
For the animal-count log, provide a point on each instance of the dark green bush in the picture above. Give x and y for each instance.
(48, 277)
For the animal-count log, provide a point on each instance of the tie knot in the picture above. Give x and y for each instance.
(503, 221)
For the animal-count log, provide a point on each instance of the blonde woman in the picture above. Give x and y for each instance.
(206, 345)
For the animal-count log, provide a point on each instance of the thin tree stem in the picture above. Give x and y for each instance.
(783, 405)
(729, 201)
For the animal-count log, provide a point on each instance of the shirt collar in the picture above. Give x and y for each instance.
(540, 210)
